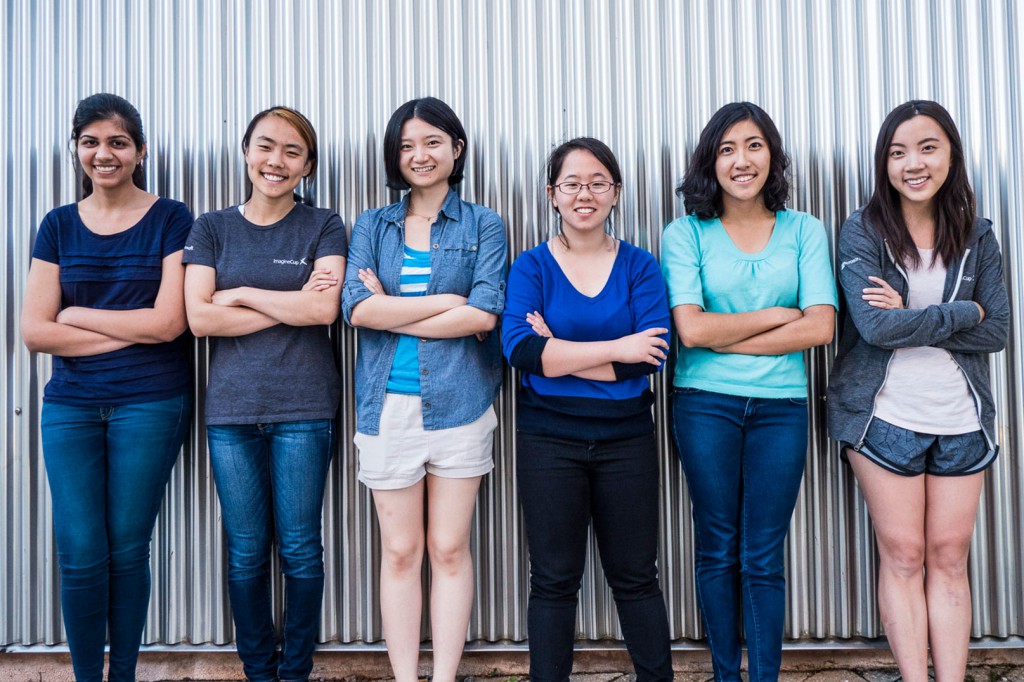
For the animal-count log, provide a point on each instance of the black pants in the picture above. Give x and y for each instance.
(563, 485)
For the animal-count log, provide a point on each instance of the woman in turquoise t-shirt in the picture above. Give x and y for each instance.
(750, 287)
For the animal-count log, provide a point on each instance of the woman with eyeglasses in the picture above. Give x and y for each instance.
(910, 398)
(586, 324)
(262, 283)
(424, 286)
(751, 288)
(104, 298)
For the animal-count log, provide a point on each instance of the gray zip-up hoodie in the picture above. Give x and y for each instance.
(868, 335)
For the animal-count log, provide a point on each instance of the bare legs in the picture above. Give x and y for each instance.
(445, 534)
(923, 526)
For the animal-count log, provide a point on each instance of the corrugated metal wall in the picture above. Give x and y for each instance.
(644, 77)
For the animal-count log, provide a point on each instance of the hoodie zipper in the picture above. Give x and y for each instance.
(892, 354)
(967, 379)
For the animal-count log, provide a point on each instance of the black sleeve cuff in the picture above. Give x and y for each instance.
(632, 370)
(526, 355)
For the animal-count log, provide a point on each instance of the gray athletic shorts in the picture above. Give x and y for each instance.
(909, 453)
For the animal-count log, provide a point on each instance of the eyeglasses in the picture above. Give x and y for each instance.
(599, 187)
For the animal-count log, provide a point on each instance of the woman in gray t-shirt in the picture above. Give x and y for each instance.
(262, 282)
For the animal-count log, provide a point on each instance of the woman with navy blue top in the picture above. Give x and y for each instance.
(424, 286)
(104, 297)
(586, 322)
(750, 285)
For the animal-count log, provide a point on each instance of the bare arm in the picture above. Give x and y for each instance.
(571, 357)
(700, 329)
(208, 319)
(304, 308)
(813, 328)
(165, 321)
(41, 331)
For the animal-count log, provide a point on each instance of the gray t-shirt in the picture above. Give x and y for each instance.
(282, 373)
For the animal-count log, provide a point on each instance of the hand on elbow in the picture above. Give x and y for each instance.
(646, 346)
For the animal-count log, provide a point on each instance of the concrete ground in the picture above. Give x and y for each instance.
(600, 665)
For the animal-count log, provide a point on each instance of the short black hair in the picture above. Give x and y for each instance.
(702, 195)
(104, 106)
(429, 110)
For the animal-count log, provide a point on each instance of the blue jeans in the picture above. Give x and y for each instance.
(108, 468)
(563, 486)
(743, 459)
(270, 481)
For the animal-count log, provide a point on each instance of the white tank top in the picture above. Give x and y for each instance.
(925, 390)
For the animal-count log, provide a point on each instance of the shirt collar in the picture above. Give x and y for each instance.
(451, 208)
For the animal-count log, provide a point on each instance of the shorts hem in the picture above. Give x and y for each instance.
(390, 483)
(461, 472)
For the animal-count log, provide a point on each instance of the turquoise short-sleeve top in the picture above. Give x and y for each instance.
(703, 267)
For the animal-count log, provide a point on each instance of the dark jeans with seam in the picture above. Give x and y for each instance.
(108, 469)
(270, 482)
(744, 460)
(564, 486)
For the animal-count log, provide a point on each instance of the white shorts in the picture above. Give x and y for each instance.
(404, 452)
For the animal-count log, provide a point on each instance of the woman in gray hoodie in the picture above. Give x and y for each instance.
(910, 398)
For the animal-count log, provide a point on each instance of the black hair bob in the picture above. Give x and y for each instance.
(429, 110)
(104, 106)
(702, 195)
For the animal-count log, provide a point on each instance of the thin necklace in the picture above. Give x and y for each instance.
(428, 218)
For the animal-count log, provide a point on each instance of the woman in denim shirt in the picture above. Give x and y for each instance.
(424, 285)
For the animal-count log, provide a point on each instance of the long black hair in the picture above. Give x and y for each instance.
(107, 107)
(438, 114)
(701, 192)
(955, 206)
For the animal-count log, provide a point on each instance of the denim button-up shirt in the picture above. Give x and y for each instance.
(459, 378)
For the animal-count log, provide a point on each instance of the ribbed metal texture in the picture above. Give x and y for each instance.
(644, 77)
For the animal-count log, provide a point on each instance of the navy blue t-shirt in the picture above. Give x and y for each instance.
(115, 272)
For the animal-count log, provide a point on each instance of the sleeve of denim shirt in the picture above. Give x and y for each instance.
(860, 256)
(648, 304)
(993, 333)
(521, 345)
(488, 291)
(360, 255)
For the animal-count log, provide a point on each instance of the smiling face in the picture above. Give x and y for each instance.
(107, 153)
(426, 154)
(919, 160)
(277, 158)
(743, 163)
(586, 210)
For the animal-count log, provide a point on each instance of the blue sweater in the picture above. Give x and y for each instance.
(633, 299)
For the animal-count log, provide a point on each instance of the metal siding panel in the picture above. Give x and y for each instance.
(523, 75)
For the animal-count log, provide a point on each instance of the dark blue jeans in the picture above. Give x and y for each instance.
(108, 468)
(563, 486)
(270, 481)
(743, 459)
